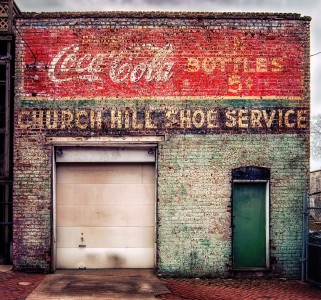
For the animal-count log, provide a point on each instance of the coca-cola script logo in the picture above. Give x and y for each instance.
(134, 64)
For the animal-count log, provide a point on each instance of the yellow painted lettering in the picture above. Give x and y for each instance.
(198, 118)
(171, 117)
(37, 118)
(116, 120)
(302, 119)
(185, 119)
(256, 116)
(24, 119)
(243, 117)
(95, 119)
(81, 120)
(268, 119)
(51, 119)
(212, 119)
(280, 118)
(287, 117)
(234, 81)
(136, 125)
(261, 65)
(237, 63)
(127, 118)
(246, 65)
(209, 64)
(231, 118)
(66, 119)
(222, 61)
(192, 64)
(277, 65)
(148, 121)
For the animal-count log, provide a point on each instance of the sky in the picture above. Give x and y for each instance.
(310, 8)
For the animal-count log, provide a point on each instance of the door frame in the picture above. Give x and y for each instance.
(267, 224)
(125, 142)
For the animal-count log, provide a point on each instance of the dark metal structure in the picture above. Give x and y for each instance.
(8, 9)
(311, 252)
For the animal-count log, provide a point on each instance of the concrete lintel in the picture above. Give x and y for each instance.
(105, 141)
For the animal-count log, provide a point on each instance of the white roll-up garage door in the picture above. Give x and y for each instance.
(105, 215)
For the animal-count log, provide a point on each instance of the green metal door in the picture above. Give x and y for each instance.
(249, 225)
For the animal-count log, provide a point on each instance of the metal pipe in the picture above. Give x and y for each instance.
(304, 241)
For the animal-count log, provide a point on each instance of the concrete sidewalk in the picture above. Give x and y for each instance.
(100, 284)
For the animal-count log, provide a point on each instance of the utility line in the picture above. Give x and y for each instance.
(315, 54)
(34, 56)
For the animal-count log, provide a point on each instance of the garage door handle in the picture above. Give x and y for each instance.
(81, 246)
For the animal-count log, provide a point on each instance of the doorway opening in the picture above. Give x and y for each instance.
(105, 208)
(250, 218)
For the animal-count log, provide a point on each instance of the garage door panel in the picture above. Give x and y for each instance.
(75, 194)
(74, 258)
(88, 194)
(101, 173)
(106, 215)
(68, 215)
(110, 206)
(148, 173)
(106, 237)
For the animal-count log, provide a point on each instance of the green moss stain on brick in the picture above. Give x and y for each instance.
(205, 172)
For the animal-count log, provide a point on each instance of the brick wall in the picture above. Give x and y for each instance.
(226, 90)
(195, 200)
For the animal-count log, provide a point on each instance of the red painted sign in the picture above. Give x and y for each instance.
(151, 63)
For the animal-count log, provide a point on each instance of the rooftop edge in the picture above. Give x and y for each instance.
(161, 14)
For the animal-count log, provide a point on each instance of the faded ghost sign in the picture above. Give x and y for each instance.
(161, 63)
(70, 64)
(202, 120)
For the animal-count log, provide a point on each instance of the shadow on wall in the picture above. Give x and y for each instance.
(115, 261)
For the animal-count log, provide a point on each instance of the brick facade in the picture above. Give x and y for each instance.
(225, 90)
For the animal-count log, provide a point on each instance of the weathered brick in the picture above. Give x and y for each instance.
(225, 90)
